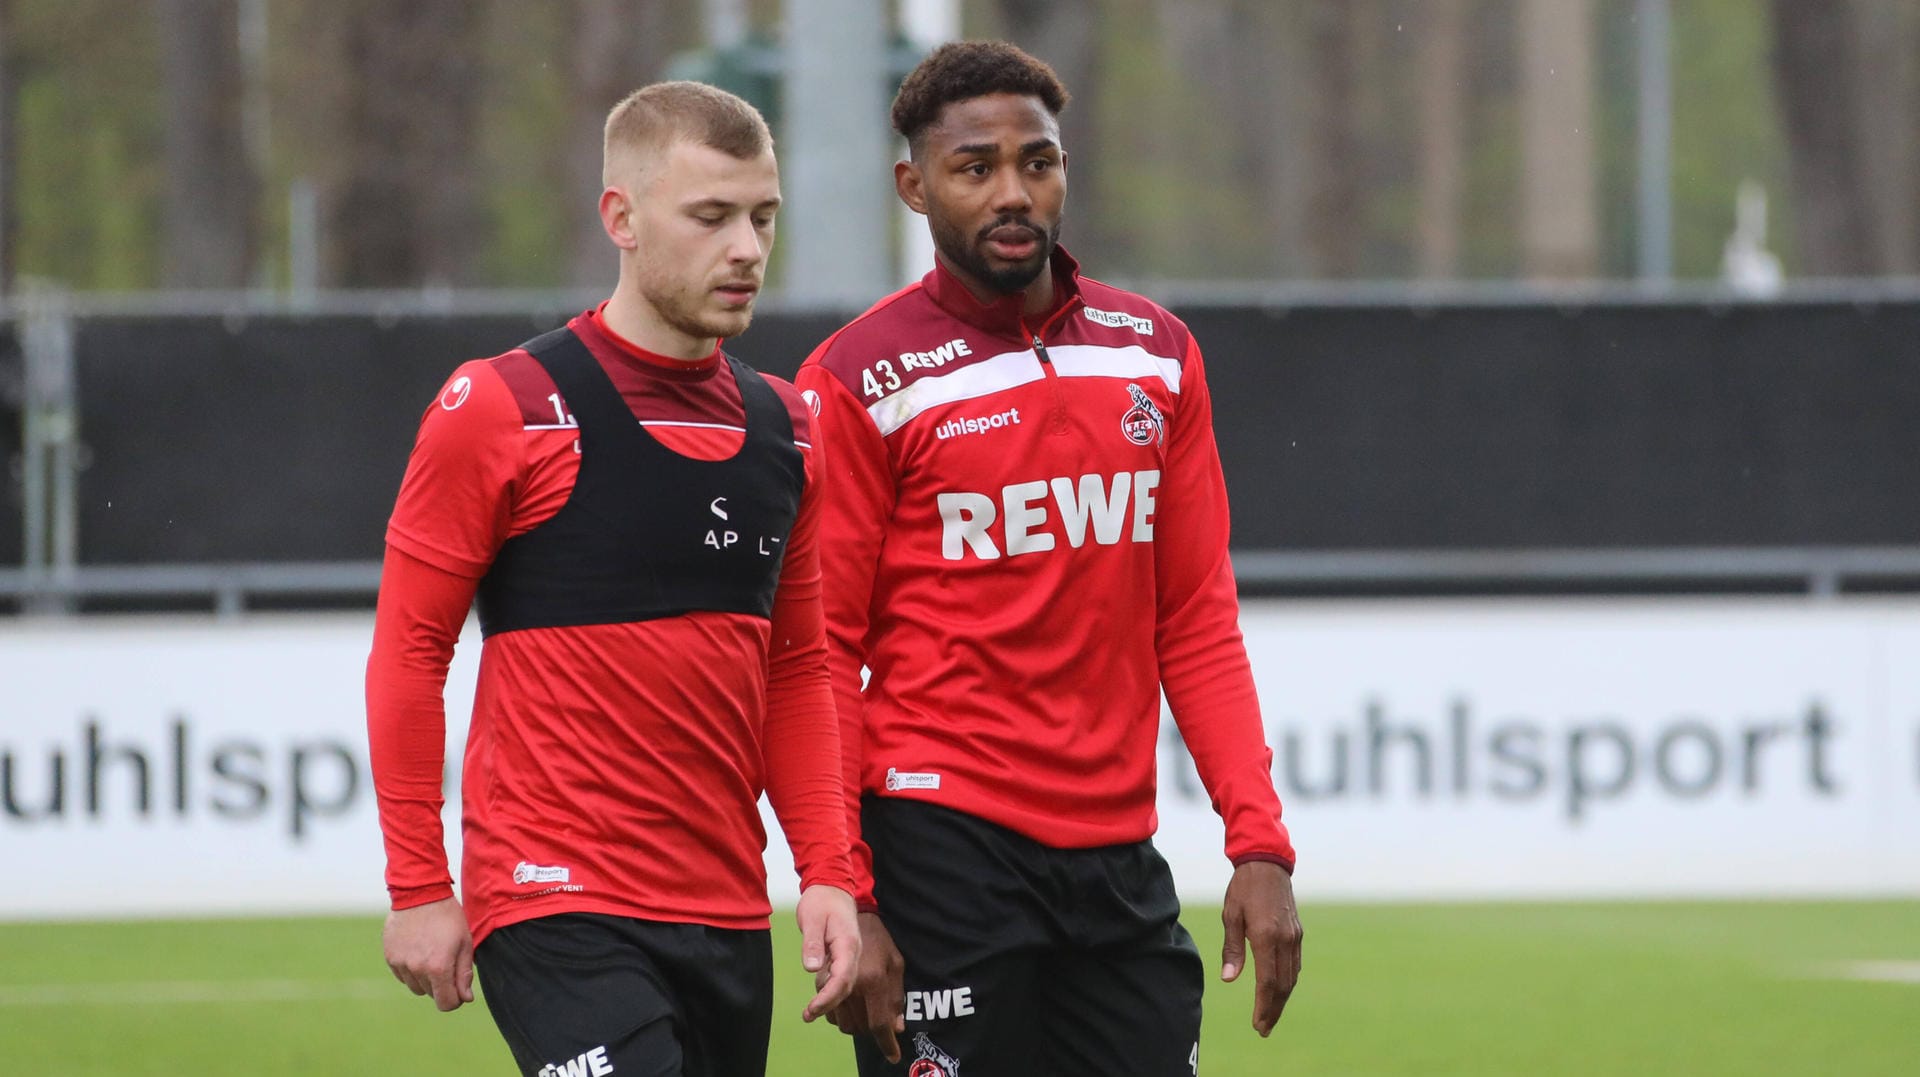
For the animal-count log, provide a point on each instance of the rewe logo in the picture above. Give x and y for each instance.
(940, 1005)
(938, 357)
(969, 522)
(589, 1064)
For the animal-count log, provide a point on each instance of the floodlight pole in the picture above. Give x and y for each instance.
(835, 157)
(1655, 25)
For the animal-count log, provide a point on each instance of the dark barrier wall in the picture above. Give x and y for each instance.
(285, 438)
(281, 438)
(12, 539)
(1539, 427)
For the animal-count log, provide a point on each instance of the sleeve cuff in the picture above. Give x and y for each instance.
(407, 897)
(1285, 862)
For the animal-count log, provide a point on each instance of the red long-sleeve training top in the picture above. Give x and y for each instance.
(609, 768)
(1024, 539)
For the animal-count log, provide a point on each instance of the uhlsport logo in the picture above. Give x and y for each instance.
(1142, 424)
(456, 393)
(1118, 320)
(898, 780)
(524, 873)
(930, 1060)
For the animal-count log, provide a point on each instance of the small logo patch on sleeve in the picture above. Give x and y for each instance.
(899, 779)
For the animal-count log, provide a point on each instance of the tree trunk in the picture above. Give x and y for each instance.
(1337, 170)
(208, 204)
(617, 49)
(1812, 55)
(1885, 79)
(9, 101)
(1067, 35)
(1246, 56)
(1443, 96)
(406, 211)
(1559, 214)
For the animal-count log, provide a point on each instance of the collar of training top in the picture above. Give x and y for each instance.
(1001, 316)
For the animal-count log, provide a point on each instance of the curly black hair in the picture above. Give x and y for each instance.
(962, 70)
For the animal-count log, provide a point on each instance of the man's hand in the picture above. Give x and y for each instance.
(829, 945)
(1260, 910)
(430, 950)
(879, 991)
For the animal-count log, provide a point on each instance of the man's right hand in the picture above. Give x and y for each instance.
(879, 991)
(430, 950)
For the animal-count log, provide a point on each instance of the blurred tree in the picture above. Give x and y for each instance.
(1337, 187)
(1442, 102)
(1559, 214)
(1885, 83)
(1815, 55)
(402, 207)
(9, 96)
(208, 200)
(1243, 57)
(87, 144)
(617, 47)
(1070, 36)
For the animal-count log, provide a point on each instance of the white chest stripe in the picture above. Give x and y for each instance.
(984, 378)
(1011, 369)
(1097, 361)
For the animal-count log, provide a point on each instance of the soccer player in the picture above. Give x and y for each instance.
(635, 512)
(1025, 541)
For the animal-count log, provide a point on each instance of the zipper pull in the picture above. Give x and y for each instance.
(1040, 349)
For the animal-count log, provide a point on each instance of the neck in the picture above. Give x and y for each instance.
(1035, 298)
(634, 319)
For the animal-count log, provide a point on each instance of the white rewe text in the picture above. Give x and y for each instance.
(590, 1064)
(969, 522)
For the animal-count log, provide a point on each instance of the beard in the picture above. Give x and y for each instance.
(970, 256)
(688, 309)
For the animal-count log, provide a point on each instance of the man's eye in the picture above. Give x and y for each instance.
(710, 221)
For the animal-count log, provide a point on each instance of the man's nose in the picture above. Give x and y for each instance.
(1010, 193)
(744, 242)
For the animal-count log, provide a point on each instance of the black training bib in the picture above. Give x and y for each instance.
(648, 533)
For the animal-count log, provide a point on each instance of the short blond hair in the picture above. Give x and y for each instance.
(649, 120)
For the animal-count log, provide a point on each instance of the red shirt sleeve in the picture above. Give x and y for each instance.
(1203, 659)
(421, 609)
(453, 512)
(457, 501)
(801, 741)
(857, 496)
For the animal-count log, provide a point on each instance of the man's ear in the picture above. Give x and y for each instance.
(617, 217)
(910, 185)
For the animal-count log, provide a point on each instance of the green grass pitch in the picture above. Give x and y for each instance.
(1682, 988)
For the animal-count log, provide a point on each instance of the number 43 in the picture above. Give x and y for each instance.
(873, 386)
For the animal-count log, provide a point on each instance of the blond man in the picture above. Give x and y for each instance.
(634, 512)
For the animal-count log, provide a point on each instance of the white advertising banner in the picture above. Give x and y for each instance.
(185, 766)
(1581, 748)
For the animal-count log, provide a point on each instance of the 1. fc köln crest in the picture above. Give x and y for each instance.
(930, 1060)
(1142, 424)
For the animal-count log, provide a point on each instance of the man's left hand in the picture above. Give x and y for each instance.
(1259, 910)
(829, 945)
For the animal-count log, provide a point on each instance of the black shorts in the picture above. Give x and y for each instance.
(1025, 960)
(583, 993)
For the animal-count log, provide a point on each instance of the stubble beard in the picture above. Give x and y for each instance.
(967, 255)
(680, 308)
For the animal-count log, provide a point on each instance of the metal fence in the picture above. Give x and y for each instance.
(133, 485)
